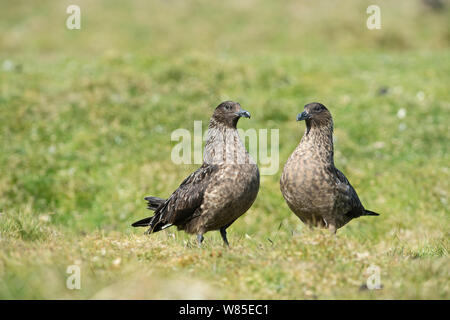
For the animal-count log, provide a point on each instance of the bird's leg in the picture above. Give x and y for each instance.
(326, 223)
(332, 228)
(223, 233)
(200, 239)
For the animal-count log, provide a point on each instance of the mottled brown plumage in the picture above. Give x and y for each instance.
(217, 193)
(318, 193)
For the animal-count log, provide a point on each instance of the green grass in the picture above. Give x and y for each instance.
(86, 118)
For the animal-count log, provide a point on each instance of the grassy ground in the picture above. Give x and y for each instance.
(86, 118)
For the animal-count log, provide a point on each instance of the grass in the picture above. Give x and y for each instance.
(86, 118)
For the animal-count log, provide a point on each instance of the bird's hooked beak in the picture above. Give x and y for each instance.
(303, 116)
(243, 113)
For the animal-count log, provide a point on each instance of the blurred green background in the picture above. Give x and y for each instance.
(86, 118)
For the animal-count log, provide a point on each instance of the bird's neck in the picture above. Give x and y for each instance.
(317, 142)
(224, 146)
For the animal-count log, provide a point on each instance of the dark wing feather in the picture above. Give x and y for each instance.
(347, 199)
(184, 202)
(154, 202)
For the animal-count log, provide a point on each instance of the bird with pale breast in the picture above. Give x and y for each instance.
(217, 193)
(314, 189)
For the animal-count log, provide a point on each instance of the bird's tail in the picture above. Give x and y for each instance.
(154, 226)
(370, 213)
(154, 202)
(143, 223)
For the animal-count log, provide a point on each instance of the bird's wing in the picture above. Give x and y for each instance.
(347, 198)
(185, 200)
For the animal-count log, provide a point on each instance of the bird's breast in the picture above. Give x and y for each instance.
(307, 181)
(230, 195)
(234, 187)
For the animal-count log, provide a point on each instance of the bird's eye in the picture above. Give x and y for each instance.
(228, 107)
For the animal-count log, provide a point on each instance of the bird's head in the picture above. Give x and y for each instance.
(316, 114)
(228, 113)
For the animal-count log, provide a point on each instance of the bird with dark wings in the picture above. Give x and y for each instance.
(314, 189)
(218, 192)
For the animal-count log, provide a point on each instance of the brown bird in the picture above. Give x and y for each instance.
(217, 193)
(318, 193)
